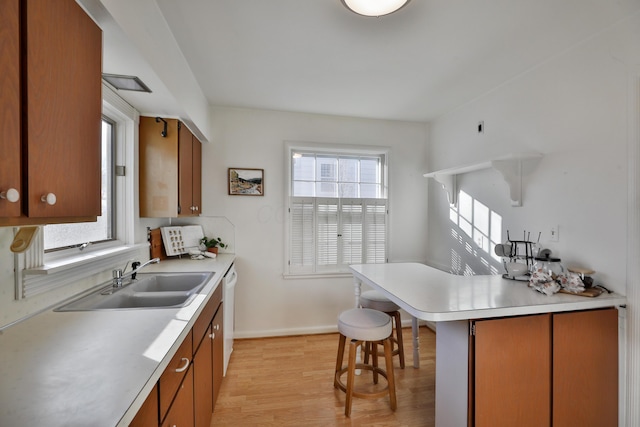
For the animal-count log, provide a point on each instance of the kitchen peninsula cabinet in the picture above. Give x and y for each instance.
(170, 169)
(540, 370)
(510, 371)
(50, 112)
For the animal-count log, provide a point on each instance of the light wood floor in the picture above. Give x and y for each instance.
(288, 381)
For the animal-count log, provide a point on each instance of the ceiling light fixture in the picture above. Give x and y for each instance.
(374, 7)
(121, 82)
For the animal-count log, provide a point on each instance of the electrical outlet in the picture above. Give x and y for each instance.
(555, 234)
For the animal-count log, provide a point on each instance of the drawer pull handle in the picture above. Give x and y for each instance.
(186, 365)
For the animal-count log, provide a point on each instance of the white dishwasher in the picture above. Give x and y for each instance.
(229, 281)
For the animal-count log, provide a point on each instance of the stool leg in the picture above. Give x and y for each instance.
(398, 321)
(367, 351)
(339, 359)
(351, 376)
(374, 360)
(390, 377)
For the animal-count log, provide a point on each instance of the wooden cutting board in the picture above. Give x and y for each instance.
(590, 292)
(156, 247)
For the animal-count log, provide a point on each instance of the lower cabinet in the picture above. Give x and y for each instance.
(203, 388)
(557, 370)
(585, 368)
(148, 413)
(512, 372)
(181, 412)
(186, 392)
(218, 353)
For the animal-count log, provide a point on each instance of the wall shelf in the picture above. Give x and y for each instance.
(510, 166)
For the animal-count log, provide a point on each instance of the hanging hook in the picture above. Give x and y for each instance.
(164, 131)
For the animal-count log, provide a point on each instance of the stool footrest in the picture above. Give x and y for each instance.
(338, 383)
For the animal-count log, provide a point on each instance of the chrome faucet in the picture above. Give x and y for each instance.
(119, 276)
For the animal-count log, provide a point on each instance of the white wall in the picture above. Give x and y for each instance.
(266, 303)
(573, 109)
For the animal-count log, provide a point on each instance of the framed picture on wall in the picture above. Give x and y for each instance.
(246, 182)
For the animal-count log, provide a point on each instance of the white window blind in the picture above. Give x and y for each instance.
(328, 234)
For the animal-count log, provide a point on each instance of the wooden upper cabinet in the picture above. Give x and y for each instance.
(50, 111)
(63, 104)
(196, 193)
(170, 172)
(10, 170)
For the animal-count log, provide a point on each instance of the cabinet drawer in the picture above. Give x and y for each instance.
(202, 323)
(173, 374)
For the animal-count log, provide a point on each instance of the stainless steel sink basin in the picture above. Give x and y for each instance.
(149, 282)
(162, 290)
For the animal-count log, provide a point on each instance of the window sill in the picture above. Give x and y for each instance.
(56, 273)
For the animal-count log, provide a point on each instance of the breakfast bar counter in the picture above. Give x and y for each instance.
(430, 294)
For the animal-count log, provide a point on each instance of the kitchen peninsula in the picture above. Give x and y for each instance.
(525, 358)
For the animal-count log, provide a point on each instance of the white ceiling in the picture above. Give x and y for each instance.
(315, 56)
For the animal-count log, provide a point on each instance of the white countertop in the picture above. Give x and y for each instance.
(434, 295)
(94, 368)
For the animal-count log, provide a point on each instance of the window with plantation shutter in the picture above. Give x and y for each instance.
(337, 210)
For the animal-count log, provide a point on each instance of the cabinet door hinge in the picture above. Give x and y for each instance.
(472, 329)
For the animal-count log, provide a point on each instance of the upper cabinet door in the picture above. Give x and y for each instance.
(197, 176)
(185, 185)
(63, 104)
(10, 170)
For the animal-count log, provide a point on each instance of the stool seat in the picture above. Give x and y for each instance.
(364, 324)
(377, 301)
(361, 326)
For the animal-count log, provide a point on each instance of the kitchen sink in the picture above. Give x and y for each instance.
(149, 290)
(149, 282)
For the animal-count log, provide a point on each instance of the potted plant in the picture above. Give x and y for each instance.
(212, 244)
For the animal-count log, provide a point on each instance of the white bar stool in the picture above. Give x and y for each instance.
(363, 325)
(377, 301)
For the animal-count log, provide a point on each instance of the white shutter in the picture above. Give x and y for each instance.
(302, 244)
(326, 234)
(375, 235)
(352, 219)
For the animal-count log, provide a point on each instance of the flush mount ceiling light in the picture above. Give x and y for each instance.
(374, 7)
(126, 82)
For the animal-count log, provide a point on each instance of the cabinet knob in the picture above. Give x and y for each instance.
(216, 327)
(212, 336)
(12, 195)
(49, 199)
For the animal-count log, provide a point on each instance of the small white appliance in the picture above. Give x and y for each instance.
(229, 281)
